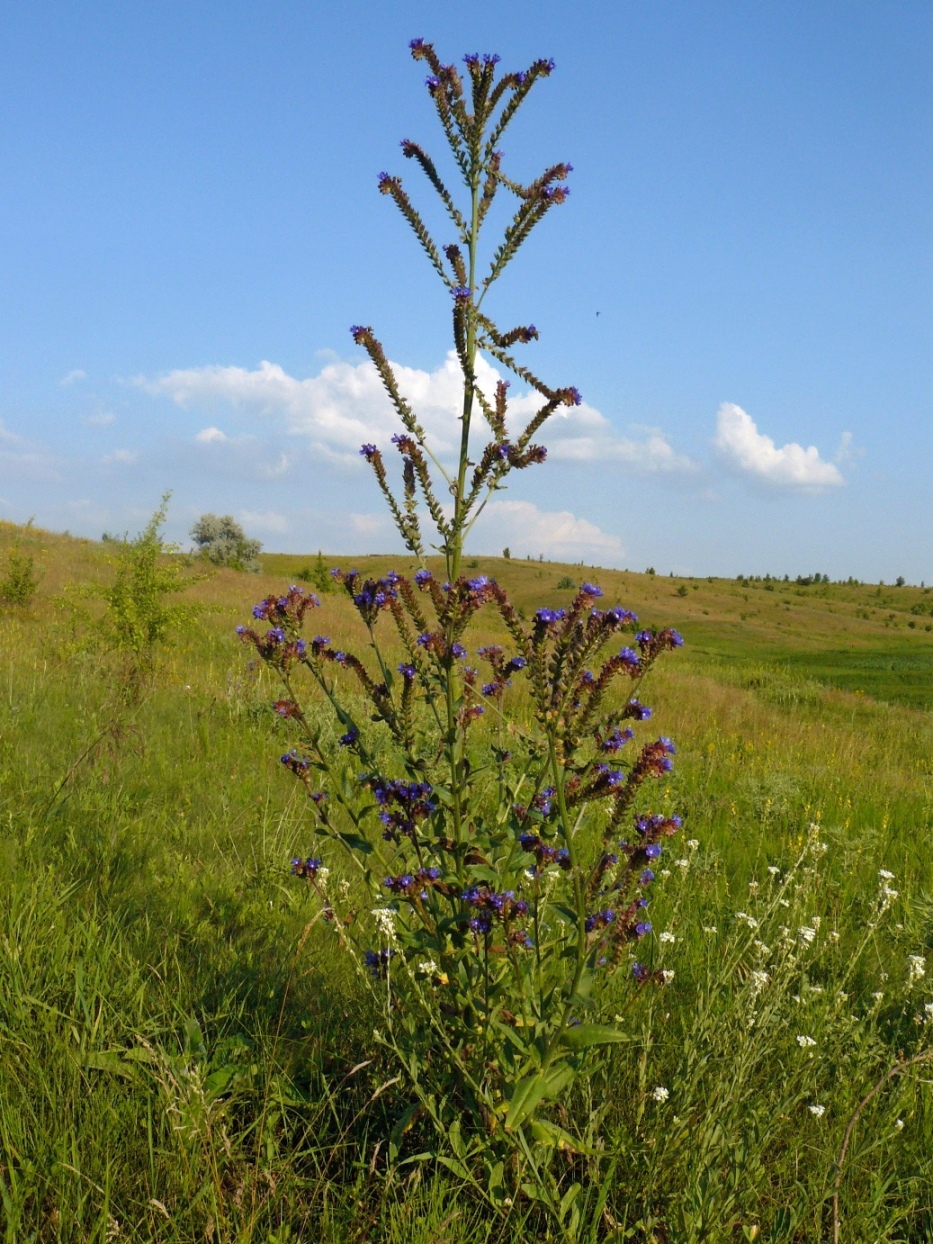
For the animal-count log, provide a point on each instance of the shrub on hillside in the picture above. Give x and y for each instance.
(19, 581)
(222, 541)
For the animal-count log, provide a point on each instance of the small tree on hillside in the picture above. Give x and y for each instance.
(222, 541)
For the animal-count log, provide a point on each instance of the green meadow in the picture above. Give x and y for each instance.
(185, 1056)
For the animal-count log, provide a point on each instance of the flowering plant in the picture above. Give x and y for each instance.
(506, 870)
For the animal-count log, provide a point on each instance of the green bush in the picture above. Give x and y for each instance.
(19, 582)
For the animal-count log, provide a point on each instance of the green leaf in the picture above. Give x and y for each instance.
(554, 1137)
(528, 1093)
(111, 1063)
(355, 843)
(401, 1127)
(526, 1096)
(582, 1036)
(458, 1168)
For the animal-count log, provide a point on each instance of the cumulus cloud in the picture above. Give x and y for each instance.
(750, 451)
(346, 405)
(208, 435)
(73, 377)
(558, 534)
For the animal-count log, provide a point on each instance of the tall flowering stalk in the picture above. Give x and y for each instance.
(502, 884)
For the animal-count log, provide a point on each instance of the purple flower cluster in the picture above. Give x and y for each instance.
(413, 885)
(492, 906)
(289, 609)
(402, 804)
(377, 962)
(306, 868)
(601, 920)
(617, 740)
(544, 852)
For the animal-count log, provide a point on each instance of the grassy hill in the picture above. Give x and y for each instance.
(185, 1056)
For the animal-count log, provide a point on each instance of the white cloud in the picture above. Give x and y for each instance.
(264, 520)
(739, 442)
(100, 419)
(73, 377)
(207, 435)
(346, 405)
(558, 534)
(120, 457)
(651, 453)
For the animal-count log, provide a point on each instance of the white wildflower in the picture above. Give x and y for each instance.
(321, 877)
(665, 872)
(428, 967)
(819, 848)
(385, 922)
(668, 977)
(660, 1094)
(747, 919)
(684, 863)
(667, 937)
(885, 875)
(753, 886)
(898, 1125)
(805, 934)
(785, 902)
(805, 1042)
(710, 930)
(758, 982)
(818, 1110)
(916, 969)
(773, 869)
(878, 995)
(833, 936)
(928, 1007)
(841, 996)
(816, 921)
(762, 949)
(889, 895)
(693, 843)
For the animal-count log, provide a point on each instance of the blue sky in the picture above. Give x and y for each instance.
(190, 222)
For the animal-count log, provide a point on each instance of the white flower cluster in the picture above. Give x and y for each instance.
(805, 1043)
(818, 1110)
(660, 1094)
(667, 938)
(758, 981)
(916, 969)
(805, 935)
(385, 923)
(747, 919)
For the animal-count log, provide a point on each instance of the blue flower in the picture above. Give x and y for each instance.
(348, 739)
(590, 589)
(407, 670)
